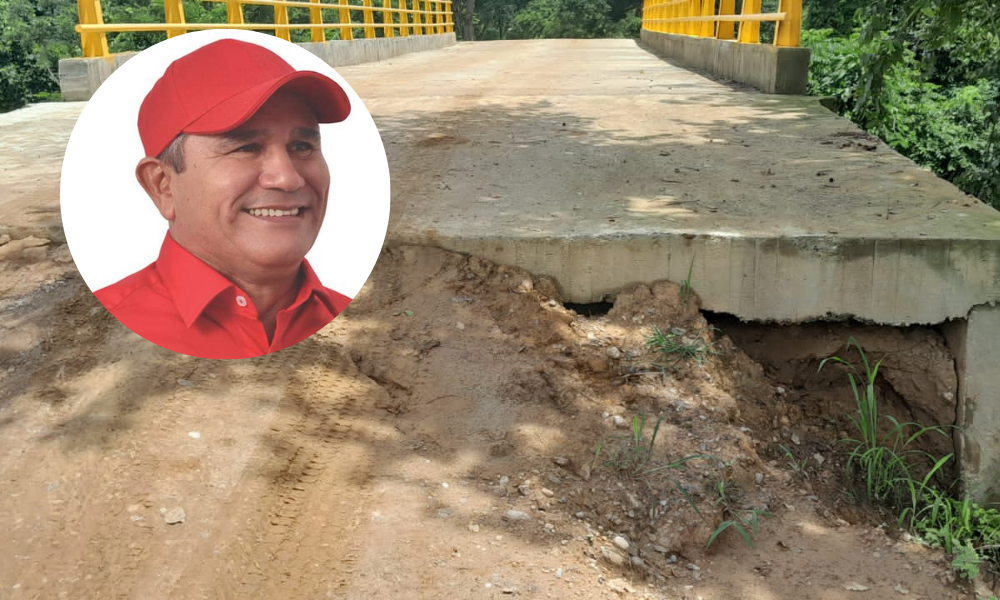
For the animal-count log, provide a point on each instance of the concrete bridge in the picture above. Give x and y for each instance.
(601, 164)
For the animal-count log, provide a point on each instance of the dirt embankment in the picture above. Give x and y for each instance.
(439, 440)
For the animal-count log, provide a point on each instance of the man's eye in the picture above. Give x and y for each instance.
(302, 147)
(248, 148)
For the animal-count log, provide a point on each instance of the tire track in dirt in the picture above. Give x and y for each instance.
(296, 544)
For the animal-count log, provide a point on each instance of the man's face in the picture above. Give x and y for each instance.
(252, 200)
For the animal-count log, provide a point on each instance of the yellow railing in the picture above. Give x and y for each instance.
(703, 18)
(399, 17)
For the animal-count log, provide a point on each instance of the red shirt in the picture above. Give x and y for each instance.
(184, 305)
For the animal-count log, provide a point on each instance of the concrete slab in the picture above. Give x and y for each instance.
(599, 164)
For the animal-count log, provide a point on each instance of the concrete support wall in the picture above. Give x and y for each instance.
(976, 345)
(783, 279)
(79, 78)
(768, 68)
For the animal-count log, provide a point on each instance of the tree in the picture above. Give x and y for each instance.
(33, 37)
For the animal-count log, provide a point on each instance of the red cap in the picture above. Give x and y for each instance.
(221, 85)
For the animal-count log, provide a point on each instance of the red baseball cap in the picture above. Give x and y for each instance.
(221, 85)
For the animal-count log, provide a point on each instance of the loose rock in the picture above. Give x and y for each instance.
(612, 557)
(174, 516)
(620, 585)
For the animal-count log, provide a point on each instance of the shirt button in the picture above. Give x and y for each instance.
(241, 300)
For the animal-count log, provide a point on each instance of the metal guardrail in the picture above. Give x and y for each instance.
(407, 17)
(711, 19)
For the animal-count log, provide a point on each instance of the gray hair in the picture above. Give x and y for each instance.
(173, 155)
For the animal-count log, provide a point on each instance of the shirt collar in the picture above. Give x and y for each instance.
(311, 285)
(193, 284)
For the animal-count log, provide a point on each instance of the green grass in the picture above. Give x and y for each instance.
(728, 496)
(632, 457)
(797, 466)
(885, 463)
(686, 291)
(675, 345)
(890, 472)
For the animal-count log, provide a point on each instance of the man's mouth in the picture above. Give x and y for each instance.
(274, 212)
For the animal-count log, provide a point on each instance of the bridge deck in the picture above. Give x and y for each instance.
(598, 163)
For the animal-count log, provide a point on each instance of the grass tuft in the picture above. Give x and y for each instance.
(887, 468)
(676, 345)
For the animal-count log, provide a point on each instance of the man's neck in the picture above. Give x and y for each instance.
(270, 296)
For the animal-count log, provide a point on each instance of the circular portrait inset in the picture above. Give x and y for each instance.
(225, 194)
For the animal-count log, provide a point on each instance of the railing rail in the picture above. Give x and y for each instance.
(399, 17)
(708, 18)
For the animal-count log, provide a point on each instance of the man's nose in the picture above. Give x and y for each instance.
(278, 171)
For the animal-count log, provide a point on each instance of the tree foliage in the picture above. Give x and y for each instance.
(924, 75)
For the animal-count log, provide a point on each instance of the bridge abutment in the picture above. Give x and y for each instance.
(975, 342)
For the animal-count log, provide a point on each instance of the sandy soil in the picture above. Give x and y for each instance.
(436, 441)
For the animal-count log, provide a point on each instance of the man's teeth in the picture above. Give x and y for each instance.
(271, 212)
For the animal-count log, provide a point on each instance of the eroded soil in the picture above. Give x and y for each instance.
(438, 440)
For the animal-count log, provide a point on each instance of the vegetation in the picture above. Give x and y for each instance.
(890, 472)
(923, 75)
(676, 345)
(634, 457)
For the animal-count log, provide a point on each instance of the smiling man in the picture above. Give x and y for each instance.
(234, 164)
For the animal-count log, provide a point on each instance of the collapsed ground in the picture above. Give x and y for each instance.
(440, 440)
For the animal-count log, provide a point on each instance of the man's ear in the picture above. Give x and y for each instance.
(157, 179)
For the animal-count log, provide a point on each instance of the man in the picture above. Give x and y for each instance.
(233, 163)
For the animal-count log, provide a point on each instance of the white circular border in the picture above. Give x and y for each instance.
(112, 227)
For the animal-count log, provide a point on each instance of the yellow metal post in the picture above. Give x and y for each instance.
(173, 10)
(693, 8)
(433, 7)
(94, 43)
(316, 18)
(726, 29)
(450, 17)
(418, 18)
(346, 33)
(234, 12)
(281, 18)
(675, 11)
(369, 19)
(788, 31)
(404, 20)
(387, 19)
(708, 10)
(750, 30)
